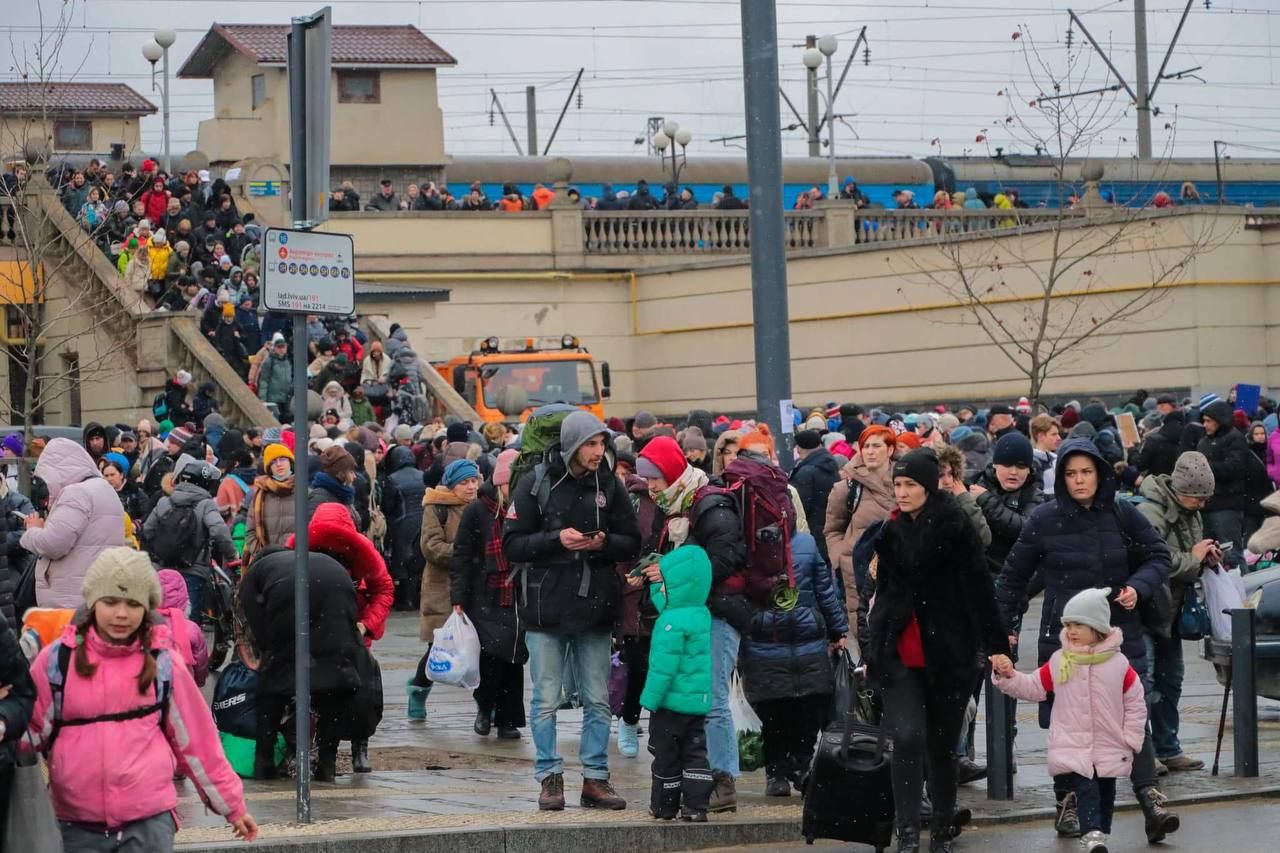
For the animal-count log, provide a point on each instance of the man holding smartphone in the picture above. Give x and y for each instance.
(570, 523)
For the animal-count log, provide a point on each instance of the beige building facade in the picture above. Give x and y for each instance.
(77, 119)
(383, 96)
(868, 321)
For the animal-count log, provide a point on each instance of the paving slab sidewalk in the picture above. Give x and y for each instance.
(437, 785)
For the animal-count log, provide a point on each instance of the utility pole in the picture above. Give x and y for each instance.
(768, 254)
(531, 118)
(1144, 90)
(811, 99)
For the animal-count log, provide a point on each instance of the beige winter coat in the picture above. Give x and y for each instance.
(437, 546)
(842, 530)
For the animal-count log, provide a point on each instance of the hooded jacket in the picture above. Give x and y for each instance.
(187, 637)
(93, 429)
(1161, 449)
(1228, 455)
(441, 516)
(785, 652)
(560, 590)
(679, 676)
(1075, 548)
(332, 532)
(402, 495)
(1107, 440)
(115, 773)
(275, 380)
(267, 596)
(932, 567)
(85, 518)
(1099, 715)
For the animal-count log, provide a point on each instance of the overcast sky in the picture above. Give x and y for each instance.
(937, 67)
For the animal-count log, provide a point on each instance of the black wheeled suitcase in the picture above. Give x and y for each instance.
(849, 795)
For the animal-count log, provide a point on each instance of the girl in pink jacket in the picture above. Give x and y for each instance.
(1099, 714)
(119, 713)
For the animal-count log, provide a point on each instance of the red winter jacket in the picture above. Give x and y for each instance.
(332, 532)
(157, 203)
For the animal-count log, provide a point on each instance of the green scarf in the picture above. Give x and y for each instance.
(1070, 660)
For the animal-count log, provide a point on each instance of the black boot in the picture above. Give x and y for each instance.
(360, 757)
(264, 769)
(908, 838)
(1159, 820)
(483, 723)
(326, 769)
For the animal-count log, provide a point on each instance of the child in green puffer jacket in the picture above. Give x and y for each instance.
(677, 691)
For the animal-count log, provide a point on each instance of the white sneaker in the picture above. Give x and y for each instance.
(1093, 842)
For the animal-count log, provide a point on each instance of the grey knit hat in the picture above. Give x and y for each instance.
(1192, 475)
(1091, 607)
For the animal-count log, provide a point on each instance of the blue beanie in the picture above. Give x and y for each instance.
(458, 471)
(119, 460)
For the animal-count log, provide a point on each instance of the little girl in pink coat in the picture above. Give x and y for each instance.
(1098, 715)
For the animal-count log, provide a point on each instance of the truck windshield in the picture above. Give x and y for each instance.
(512, 388)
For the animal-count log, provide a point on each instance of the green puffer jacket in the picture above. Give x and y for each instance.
(275, 380)
(680, 655)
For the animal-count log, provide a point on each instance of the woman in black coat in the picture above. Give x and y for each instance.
(482, 587)
(933, 622)
(15, 710)
(402, 493)
(267, 596)
(1085, 539)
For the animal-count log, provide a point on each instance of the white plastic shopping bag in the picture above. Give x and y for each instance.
(455, 654)
(1223, 591)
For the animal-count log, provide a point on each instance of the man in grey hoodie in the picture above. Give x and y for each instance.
(570, 523)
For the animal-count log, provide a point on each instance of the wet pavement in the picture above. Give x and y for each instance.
(441, 775)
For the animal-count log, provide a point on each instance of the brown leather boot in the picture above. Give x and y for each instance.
(551, 799)
(599, 794)
(724, 796)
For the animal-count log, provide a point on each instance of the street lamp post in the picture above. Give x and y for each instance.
(672, 132)
(813, 58)
(155, 50)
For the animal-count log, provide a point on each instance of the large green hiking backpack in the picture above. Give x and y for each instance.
(541, 432)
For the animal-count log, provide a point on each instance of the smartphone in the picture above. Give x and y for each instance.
(644, 563)
(20, 515)
(1224, 547)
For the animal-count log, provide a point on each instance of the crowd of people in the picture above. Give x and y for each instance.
(912, 541)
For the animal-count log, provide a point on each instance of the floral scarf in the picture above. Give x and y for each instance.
(676, 500)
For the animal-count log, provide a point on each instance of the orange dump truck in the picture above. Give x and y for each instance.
(507, 382)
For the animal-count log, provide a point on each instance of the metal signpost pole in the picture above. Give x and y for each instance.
(768, 258)
(308, 117)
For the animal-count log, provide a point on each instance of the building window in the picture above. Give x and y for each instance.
(259, 85)
(71, 373)
(72, 136)
(359, 87)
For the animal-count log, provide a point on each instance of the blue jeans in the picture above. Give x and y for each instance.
(722, 740)
(589, 664)
(1164, 660)
(1095, 802)
(196, 588)
(1226, 525)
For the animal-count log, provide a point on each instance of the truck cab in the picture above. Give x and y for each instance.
(506, 383)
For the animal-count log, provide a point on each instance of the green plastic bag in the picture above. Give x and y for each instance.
(239, 752)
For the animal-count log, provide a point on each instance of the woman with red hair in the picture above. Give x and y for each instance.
(862, 496)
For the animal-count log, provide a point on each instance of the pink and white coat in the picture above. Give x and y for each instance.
(1099, 716)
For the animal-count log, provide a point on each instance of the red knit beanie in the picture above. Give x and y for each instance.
(1241, 420)
(665, 456)
(1070, 418)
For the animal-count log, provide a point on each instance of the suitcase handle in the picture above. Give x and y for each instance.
(860, 681)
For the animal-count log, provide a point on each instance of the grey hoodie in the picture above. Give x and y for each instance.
(576, 430)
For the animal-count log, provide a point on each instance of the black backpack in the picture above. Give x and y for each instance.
(172, 545)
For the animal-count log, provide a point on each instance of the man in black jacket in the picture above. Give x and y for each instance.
(16, 703)
(570, 522)
(1161, 449)
(1228, 454)
(402, 494)
(813, 476)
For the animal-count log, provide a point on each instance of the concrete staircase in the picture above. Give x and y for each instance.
(155, 345)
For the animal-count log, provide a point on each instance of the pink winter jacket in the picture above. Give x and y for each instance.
(110, 774)
(1273, 457)
(188, 638)
(1099, 715)
(85, 519)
